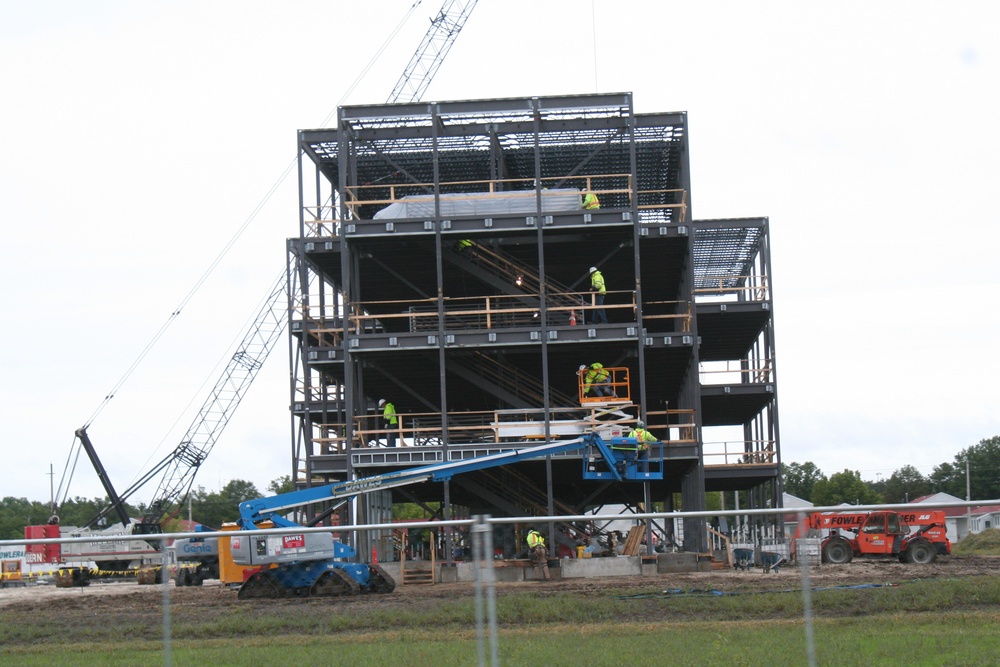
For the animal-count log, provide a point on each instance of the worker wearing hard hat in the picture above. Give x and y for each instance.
(643, 439)
(597, 378)
(597, 286)
(536, 548)
(389, 421)
(590, 201)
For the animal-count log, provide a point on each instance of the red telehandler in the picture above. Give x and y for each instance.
(912, 537)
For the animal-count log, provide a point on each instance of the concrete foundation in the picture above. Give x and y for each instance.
(677, 562)
(571, 568)
(580, 568)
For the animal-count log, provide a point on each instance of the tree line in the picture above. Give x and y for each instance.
(207, 508)
(804, 480)
(807, 481)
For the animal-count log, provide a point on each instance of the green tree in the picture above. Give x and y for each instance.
(946, 478)
(904, 485)
(983, 471)
(799, 479)
(16, 513)
(281, 485)
(415, 511)
(214, 509)
(844, 487)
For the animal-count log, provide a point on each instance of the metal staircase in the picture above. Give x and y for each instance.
(515, 387)
(510, 275)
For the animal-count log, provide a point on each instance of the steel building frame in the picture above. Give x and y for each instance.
(439, 266)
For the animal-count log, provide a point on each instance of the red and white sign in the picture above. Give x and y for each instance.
(293, 541)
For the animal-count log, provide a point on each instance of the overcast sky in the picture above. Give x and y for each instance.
(139, 138)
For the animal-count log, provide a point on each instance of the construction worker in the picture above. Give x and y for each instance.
(590, 201)
(596, 377)
(597, 286)
(536, 546)
(389, 421)
(643, 439)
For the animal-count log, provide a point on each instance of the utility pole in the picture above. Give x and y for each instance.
(968, 496)
(52, 492)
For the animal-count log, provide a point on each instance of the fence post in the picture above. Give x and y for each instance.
(482, 553)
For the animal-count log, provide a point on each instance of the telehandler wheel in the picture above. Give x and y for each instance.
(920, 552)
(838, 551)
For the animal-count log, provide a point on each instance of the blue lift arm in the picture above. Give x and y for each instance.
(253, 512)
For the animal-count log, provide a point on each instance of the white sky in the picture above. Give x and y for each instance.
(138, 137)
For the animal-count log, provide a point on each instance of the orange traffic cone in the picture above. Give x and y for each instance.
(572, 318)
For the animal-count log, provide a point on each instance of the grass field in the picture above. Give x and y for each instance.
(941, 621)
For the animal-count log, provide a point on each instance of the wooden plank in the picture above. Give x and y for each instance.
(633, 541)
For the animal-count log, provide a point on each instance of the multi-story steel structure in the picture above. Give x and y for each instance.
(443, 265)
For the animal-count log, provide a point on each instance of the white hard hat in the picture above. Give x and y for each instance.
(381, 402)
(582, 368)
(593, 268)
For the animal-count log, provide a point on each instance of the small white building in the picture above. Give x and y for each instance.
(983, 518)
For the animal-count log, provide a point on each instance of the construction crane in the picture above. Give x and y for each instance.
(180, 466)
(432, 51)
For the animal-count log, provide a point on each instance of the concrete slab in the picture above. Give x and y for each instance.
(676, 562)
(577, 568)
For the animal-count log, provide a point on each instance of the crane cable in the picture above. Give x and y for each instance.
(75, 451)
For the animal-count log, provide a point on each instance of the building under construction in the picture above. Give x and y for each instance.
(443, 264)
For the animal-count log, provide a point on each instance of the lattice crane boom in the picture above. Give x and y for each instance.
(180, 467)
(240, 372)
(432, 51)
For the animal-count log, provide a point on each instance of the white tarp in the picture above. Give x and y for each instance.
(483, 204)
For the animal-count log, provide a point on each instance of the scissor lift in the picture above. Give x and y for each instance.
(618, 384)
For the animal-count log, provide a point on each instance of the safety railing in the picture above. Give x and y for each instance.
(744, 452)
(329, 439)
(599, 385)
(733, 288)
(614, 191)
(671, 427)
(383, 195)
(321, 221)
(327, 388)
(667, 315)
(737, 371)
(484, 312)
(571, 308)
(674, 427)
(513, 425)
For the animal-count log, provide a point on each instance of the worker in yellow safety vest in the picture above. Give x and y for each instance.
(597, 286)
(643, 439)
(590, 201)
(536, 546)
(389, 421)
(597, 377)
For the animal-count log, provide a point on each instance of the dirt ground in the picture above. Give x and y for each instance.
(213, 597)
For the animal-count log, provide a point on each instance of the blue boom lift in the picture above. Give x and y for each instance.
(314, 564)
